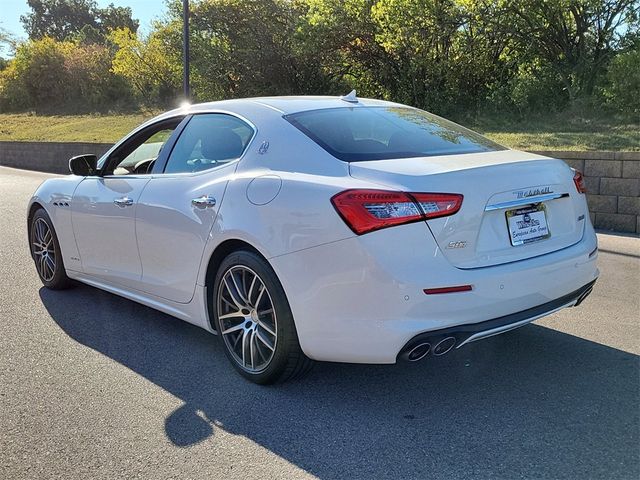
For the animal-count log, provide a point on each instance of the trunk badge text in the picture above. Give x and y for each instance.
(458, 244)
(534, 192)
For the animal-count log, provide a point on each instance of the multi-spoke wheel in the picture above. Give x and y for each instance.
(45, 251)
(254, 320)
(247, 318)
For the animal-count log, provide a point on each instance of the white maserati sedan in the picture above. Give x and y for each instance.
(320, 228)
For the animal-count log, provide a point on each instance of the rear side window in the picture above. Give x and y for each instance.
(208, 141)
(357, 134)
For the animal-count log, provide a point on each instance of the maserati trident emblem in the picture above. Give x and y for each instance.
(263, 148)
(534, 192)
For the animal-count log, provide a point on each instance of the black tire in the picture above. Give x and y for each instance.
(287, 361)
(54, 276)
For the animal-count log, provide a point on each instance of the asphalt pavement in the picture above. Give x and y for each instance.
(96, 386)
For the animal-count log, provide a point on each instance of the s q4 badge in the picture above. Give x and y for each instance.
(458, 244)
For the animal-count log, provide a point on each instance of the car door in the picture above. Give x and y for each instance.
(178, 208)
(103, 207)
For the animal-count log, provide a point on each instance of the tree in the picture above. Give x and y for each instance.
(37, 76)
(443, 55)
(623, 89)
(246, 46)
(454, 57)
(6, 41)
(149, 65)
(577, 38)
(65, 19)
(47, 75)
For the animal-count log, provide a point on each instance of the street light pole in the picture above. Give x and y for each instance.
(185, 49)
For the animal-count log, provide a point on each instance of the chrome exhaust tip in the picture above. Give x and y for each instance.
(444, 346)
(418, 352)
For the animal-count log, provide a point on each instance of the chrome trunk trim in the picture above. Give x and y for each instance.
(524, 201)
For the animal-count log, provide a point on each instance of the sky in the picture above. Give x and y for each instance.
(143, 10)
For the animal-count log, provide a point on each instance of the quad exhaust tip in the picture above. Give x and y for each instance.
(444, 346)
(422, 349)
(419, 352)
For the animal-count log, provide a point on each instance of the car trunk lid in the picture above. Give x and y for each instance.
(494, 185)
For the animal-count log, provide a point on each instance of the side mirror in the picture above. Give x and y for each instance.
(83, 165)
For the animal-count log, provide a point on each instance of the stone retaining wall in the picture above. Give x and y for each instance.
(612, 178)
(51, 157)
(613, 187)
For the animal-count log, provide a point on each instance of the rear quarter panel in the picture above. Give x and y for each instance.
(279, 198)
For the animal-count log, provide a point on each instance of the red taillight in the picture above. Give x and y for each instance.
(438, 204)
(578, 179)
(368, 210)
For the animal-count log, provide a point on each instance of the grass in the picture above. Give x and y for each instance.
(553, 132)
(563, 131)
(69, 128)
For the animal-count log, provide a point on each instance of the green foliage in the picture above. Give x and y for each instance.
(48, 75)
(574, 38)
(66, 19)
(153, 70)
(623, 90)
(457, 58)
(248, 48)
(37, 75)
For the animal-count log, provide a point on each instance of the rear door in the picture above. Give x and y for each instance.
(178, 207)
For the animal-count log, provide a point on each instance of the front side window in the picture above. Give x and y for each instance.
(208, 141)
(357, 134)
(142, 158)
(138, 152)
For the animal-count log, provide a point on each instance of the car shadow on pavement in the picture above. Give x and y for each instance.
(530, 403)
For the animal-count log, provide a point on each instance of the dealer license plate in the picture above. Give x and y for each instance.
(527, 225)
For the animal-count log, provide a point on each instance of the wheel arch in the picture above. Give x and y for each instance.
(33, 208)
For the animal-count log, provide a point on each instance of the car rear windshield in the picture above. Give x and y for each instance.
(360, 133)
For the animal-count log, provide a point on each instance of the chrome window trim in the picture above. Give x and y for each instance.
(230, 162)
(150, 123)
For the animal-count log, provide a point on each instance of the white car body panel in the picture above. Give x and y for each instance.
(366, 310)
(485, 179)
(353, 298)
(55, 195)
(105, 233)
(171, 233)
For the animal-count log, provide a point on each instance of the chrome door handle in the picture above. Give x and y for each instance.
(205, 201)
(123, 202)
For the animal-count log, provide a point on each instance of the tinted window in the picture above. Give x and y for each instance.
(142, 158)
(138, 152)
(208, 141)
(376, 133)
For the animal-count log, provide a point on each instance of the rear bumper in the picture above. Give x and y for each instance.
(361, 300)
(464, 334)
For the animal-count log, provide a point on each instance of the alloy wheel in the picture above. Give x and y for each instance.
(43, 249)
(247, 318)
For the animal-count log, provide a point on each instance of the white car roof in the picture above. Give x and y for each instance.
(292, 104)
(299, 104)
(283, 105)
